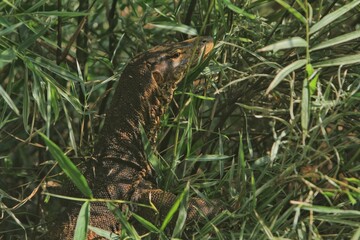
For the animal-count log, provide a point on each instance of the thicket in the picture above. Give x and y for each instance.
(269, 128)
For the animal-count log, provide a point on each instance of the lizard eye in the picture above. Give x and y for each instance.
(175, 55)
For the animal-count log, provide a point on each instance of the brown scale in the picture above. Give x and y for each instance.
(120, 169)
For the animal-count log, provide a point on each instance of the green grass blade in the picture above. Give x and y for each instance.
(82, 222)
(174, 207)
(145, 223)
(4, 208)
(68, 167)
(172, 26)
(26, 102)
(313, 78)
(333, 16)
(7, 57)
(9, 101)
(70, 128)
(238, 10)
(209, 158)
(337, 40)
(181, 219)
(305, 107)
(37, 5)
(241, 166)
(253, 190)
(10, 29)
(38, 93)
(53, 68)
(119, 215)
(350, 59)
(284, 72)
(356, 234)
(330, 210)
(292, 10)
(31, 39)
(54, 103)
(48, 109)
(285, 44)
(195, 95)
(57, 13)
(104, 233)
(10, 4)
(43, 76)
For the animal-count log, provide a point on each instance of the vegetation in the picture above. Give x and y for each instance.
(270, 127)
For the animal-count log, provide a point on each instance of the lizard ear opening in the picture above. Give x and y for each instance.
(157, 76)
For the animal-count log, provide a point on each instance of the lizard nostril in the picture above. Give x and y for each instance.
(207, 41)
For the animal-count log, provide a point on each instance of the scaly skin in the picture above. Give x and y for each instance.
(120, 169)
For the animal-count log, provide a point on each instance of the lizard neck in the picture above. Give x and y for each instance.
(137, 101)
(145, 89)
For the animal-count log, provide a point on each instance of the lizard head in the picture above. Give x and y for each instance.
(170, 62)
(149, 80)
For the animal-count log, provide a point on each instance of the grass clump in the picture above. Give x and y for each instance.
(269, 128)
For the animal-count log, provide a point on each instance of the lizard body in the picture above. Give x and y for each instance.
(120, 169)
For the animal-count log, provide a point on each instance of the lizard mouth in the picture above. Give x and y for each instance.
(208, 45)
(204, 45)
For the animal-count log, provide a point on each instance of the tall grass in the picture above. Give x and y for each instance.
(269, 128)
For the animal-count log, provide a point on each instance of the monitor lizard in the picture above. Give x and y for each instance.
(120, 169)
